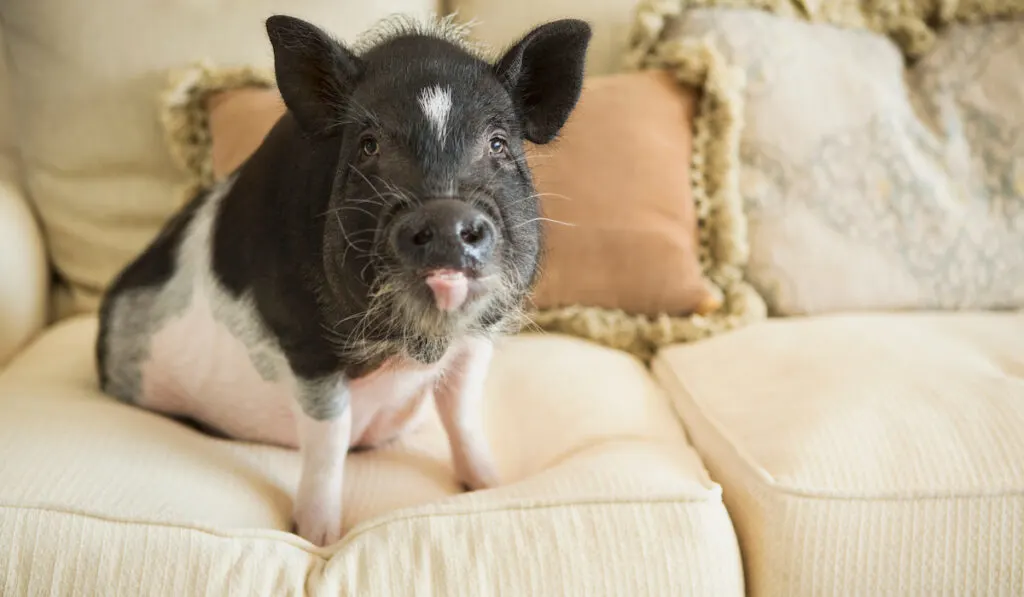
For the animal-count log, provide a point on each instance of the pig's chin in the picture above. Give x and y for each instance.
(443, 301)
(453, 293)
(452, 290)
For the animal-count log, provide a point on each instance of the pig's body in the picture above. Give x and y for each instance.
(359, 263)
(184, 346)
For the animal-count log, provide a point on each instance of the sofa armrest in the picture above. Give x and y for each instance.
(24, 273)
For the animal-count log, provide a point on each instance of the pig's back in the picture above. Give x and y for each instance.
(173, 340)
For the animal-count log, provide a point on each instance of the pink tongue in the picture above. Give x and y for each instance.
(450, 289)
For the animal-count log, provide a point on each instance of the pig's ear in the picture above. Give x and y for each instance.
(315, 74)
(544, 74)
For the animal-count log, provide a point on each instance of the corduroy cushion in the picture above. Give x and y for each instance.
(865, 454)
(602, 494)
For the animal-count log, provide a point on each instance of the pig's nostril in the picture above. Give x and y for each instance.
(444, 233)
(472, 233)
(423, 237)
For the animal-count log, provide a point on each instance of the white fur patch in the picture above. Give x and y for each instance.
(436, 102)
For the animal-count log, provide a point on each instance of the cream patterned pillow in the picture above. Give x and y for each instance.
(868, 183)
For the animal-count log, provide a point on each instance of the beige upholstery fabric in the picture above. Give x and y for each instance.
(603, 495)
(865, 455)
(869, 185)
(86, 78)
(500, 24)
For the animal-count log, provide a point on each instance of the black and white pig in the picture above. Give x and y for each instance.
(361, 261)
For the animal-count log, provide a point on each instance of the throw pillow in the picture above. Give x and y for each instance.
(615, 188)
(868, 184)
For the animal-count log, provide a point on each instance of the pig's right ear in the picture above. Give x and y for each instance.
(315, 73)
(544, 74)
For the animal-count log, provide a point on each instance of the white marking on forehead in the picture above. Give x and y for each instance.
(436, 102)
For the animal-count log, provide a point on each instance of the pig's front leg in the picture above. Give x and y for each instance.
(459, 398)
(324, 428)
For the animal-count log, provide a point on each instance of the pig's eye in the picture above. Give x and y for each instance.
(497, 145)
(369, 147)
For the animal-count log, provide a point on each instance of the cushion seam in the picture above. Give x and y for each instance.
(355, 532)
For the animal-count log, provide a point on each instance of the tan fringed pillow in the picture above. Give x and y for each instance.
(624, 266)
(616, 188)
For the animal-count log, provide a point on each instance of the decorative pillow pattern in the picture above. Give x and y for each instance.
(911, 24)
(869, 185)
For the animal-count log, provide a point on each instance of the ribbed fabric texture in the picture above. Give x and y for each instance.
(865, 454)
(580, 550)
(602, 494)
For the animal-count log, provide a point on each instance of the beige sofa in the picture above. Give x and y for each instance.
(874, 454)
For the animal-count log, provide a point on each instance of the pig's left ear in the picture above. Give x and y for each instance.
(544, 74)
(315, 74)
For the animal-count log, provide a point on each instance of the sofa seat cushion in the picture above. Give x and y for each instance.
(873, 454)
(602, 493)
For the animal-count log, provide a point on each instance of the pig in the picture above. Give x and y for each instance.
(361, 263)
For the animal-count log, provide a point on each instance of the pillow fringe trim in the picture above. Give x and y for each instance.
(911, 24)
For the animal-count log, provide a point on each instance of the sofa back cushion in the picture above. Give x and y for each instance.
(86, 78)
(499, 23)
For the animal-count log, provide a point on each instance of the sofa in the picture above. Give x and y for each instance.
(833, 425)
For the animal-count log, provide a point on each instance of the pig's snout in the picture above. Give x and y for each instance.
(444, 234)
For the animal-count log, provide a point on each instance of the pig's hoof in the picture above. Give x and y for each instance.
(478, 480)
(319, 531)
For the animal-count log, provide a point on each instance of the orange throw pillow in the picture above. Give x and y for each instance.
(619, 179)
(616, 188)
